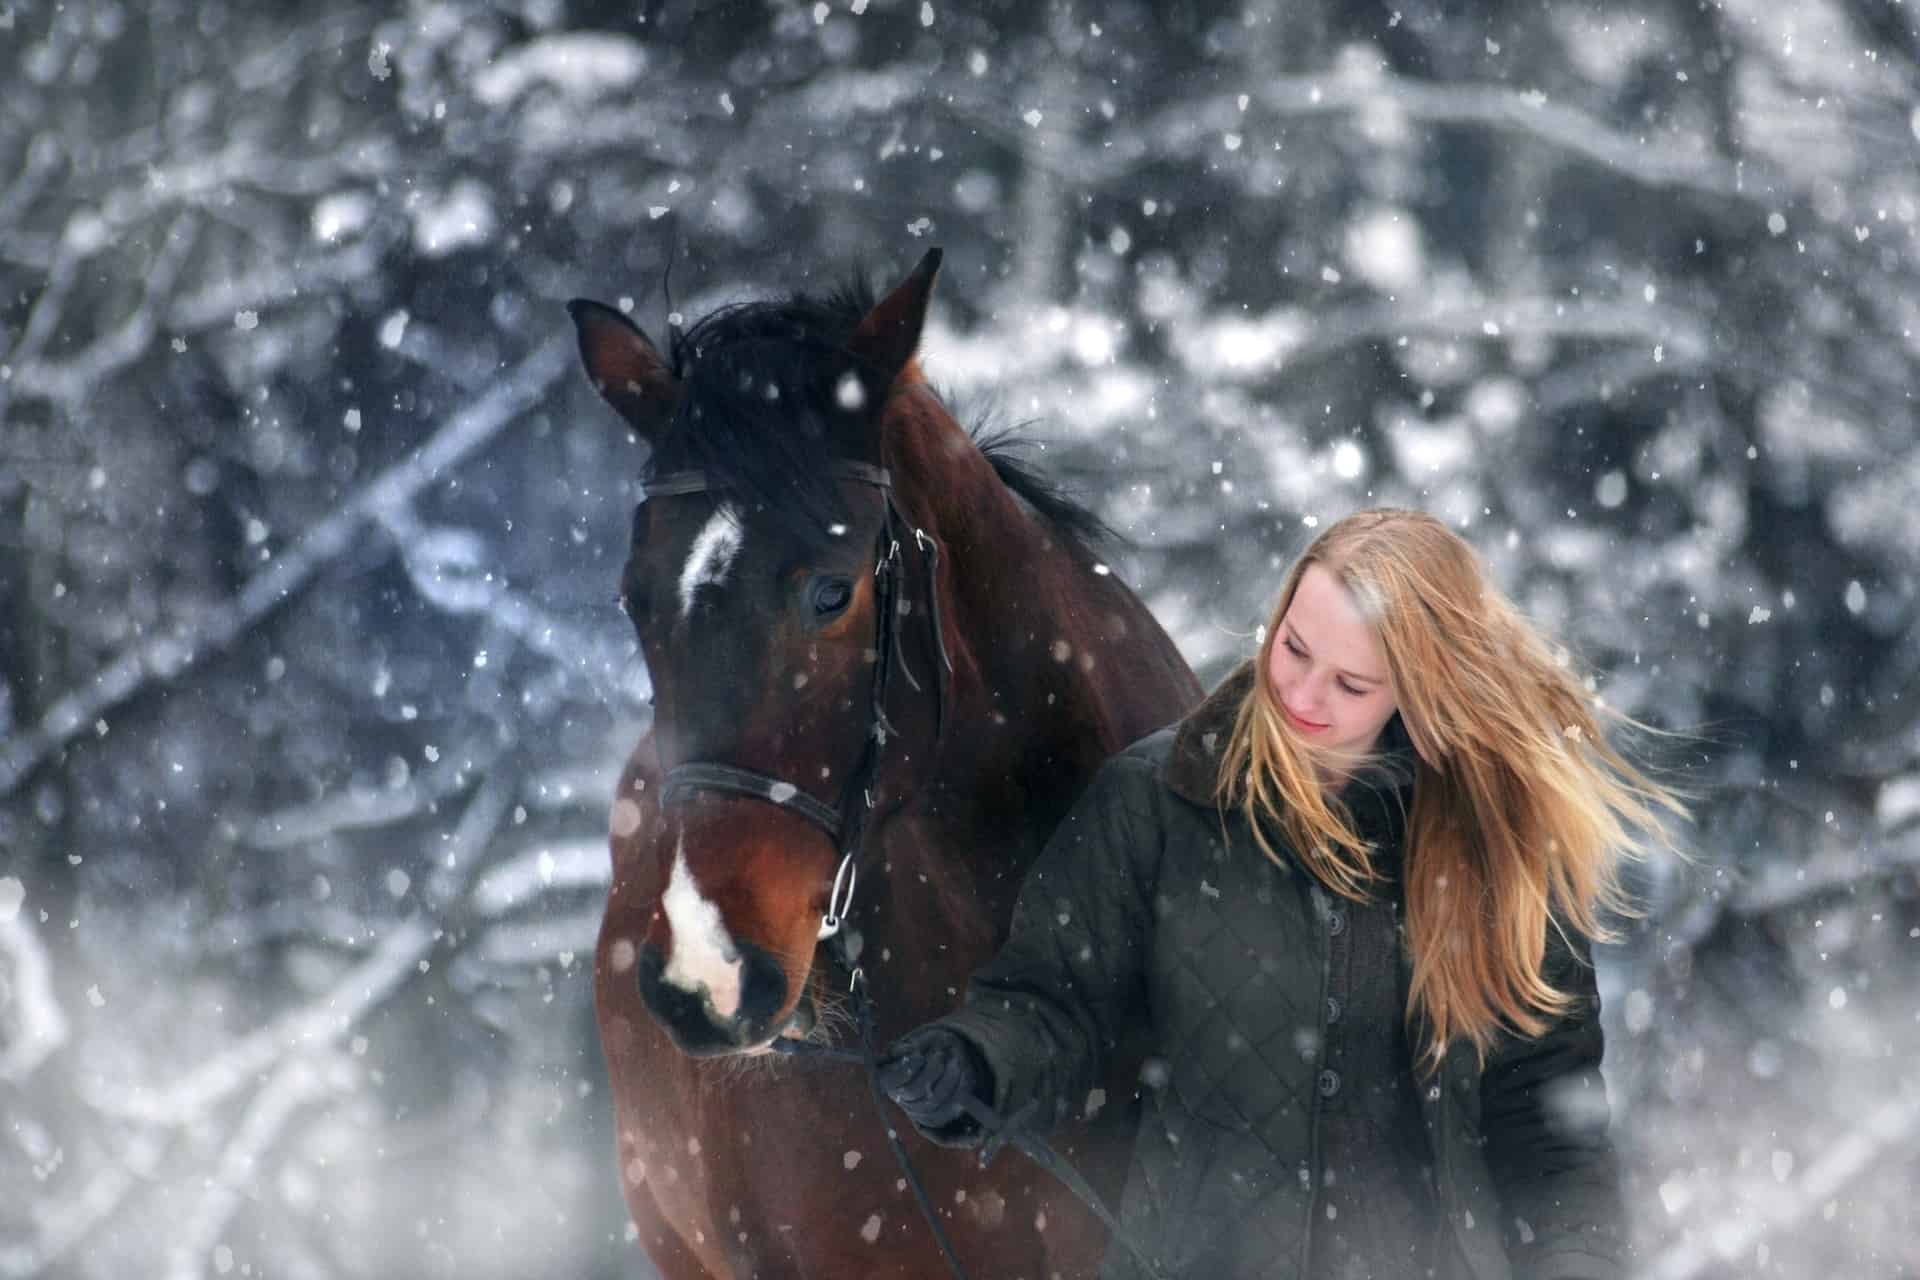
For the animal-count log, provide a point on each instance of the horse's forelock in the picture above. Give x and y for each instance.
(775, 450)
(761, 414)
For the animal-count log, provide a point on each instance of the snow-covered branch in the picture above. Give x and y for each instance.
(1813, 872)
(32, 1025)
(1888, 1133)
(1257, 347)
(102, 223)
(67, 1222)
(361, 808)
(296, 1083)
(1527, 114)
(515, 881)
(166, 658)
(572, 785)
(1187, 127)
(1609, 373)
(70, 380)
(272, 68)
(307, 1029)
(304, 920)
(42, 161)
(266, 284)
(522, 944)
(454, 868)
(447, 566)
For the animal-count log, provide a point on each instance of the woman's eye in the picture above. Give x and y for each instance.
(1294, 649)
(831, 596)
(1349, 689)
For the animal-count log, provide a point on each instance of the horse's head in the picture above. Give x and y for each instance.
(752, 586)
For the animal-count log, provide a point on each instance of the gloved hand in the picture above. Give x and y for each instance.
(930, 1072)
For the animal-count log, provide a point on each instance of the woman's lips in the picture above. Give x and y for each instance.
(1304, 726)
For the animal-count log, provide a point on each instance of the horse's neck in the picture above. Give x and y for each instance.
(1055, 668)
(1068, 665)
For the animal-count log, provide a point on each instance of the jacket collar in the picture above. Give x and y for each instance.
(1200, 740)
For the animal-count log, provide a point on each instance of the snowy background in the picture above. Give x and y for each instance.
(312, 685)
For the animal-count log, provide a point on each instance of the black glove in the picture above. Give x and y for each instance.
(930, 1072)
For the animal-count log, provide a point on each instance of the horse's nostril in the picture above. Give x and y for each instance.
(763, 989)
(691, 1018)
(681, 1013)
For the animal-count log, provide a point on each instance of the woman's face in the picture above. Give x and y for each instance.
(1327, 670)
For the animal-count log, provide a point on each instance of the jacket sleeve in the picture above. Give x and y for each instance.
(1544, 1114)
(1047, 1009)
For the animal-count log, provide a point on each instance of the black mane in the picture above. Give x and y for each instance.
(761, 414)
(1002, 447)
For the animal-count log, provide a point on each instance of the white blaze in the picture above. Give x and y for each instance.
(704, 957)
(711, 556)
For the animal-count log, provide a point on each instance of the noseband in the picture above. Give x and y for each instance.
(845, 824)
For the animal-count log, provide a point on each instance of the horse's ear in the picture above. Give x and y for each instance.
(626, 369)
(887, 337)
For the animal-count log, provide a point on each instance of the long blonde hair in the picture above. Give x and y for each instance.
(1522, 810)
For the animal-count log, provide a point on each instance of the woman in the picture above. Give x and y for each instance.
(1352, 896)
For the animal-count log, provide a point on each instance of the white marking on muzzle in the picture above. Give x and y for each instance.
(711, 556)
(704, 958)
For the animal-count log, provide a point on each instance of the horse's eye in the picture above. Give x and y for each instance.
(830, 596)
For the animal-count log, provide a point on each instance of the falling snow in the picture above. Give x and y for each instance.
(313, 691)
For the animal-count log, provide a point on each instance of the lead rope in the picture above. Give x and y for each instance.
(999, 1132)
(871, 1061)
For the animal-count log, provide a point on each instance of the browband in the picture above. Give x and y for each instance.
(694, 480)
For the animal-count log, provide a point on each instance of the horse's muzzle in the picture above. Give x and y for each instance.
(691, 1020)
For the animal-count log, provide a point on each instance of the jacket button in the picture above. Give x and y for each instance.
(1329, 1083)
(1333, 1009)
(1336, 924)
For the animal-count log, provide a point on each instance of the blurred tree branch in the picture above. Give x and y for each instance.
(1885, 1133)
(309, 1029)
(167, 658)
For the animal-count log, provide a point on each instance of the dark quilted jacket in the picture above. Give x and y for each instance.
(1149, 904)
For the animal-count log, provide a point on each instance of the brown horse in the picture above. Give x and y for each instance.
(883, 655)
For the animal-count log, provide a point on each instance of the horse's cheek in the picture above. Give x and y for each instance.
(776, 905)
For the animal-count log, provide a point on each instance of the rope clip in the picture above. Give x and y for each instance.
(839, 903)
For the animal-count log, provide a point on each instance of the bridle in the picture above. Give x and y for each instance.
(845, 824)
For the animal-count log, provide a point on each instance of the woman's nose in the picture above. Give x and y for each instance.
(1310, 696)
